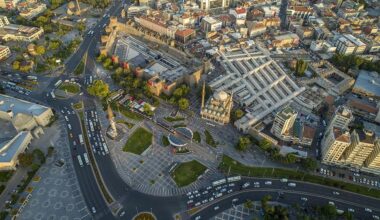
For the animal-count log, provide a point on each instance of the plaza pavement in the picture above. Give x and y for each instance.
(57, 195)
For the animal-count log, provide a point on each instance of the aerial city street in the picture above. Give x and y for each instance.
(204, 109)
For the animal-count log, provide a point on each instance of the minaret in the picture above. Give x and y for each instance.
(78, 7)
(203, 95)
(111, 119)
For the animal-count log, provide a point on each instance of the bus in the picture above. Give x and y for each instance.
(58, 83)
(80, 161)
(212, 125)
(80, 139)
(218, 182)
(233, 179)
(86, 158)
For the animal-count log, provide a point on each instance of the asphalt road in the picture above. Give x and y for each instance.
(282, 192)
(163, 207)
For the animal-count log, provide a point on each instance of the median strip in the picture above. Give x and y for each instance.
(229, 165)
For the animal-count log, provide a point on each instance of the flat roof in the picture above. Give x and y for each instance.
(8, 149)
(8, 103)
(368, 82)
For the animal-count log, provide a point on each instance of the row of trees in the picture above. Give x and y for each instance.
(344, 63)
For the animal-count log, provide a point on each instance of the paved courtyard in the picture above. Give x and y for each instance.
(57, 195)
(149, 172)
(238, 212)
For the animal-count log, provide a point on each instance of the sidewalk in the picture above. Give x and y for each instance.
(12, 185)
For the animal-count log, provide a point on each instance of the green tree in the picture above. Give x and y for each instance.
(248, 204)
(243, 143)
(40, 50)
(237, 114)
(265, 144)
(147, 109)
(98, 88)
(136, 83)
(183, 103)
(16, 65)
(81, 26)
(2, 89)
(329, 211)
(25, 159)
(301, 67)
(309, 164)
(290, 158)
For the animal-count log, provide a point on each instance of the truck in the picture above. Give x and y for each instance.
(80, 161)
(80, 139)
(218, 182)
(86, 158)
(233, 179)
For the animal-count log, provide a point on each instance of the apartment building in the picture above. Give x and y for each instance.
(341, 119)
(362, 145)
(373, 160)
(8, 4)
(13, 32)
(5, 52)
(348, 44)
(213, 4)
(283, 122)
(335, 142)
(210, 24)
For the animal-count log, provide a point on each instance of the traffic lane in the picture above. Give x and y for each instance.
(85, 175)
(289, 197)
(319, 189)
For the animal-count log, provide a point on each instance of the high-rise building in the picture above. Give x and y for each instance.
(283, 121)
(341, 119)
(334, 144)
(213, 4)
(373, 160)
(348, 44)
(8, 4)
(362, 145)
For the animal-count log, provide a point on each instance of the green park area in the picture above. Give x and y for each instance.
(139, 141)
(69, 87)
(188, 172)
(210, 139)
(229, 165)
(126, 112)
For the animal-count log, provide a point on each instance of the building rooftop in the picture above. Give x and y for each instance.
(17, 106)
(9, 148)
(368, 82)
(341, 135)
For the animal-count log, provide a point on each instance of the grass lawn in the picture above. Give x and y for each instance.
(209, 139)
(78, 105)
(126, 112)
(165, 141)
(173, 119)
(197, 137)
(179, 125)
(239, 169)
(80, 68)
(129, 125)
(188, 172)
(139, 141)
(69, 87)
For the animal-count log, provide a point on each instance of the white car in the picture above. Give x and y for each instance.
(191, 197)
(336, 193)
(93, 210)
(209, 187)
(204, 201)
(331, 203)
(197, 195)
(216, 207)
(198, 217)
(235, 200)
(231, 184)
(375, 217)
(197, 204)
(351, 210)
(268, 183)
(190, 201)
(368, 210)
(188, 194)
(304, 199)
(211, 199)
(205, 192)
(230, 191)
